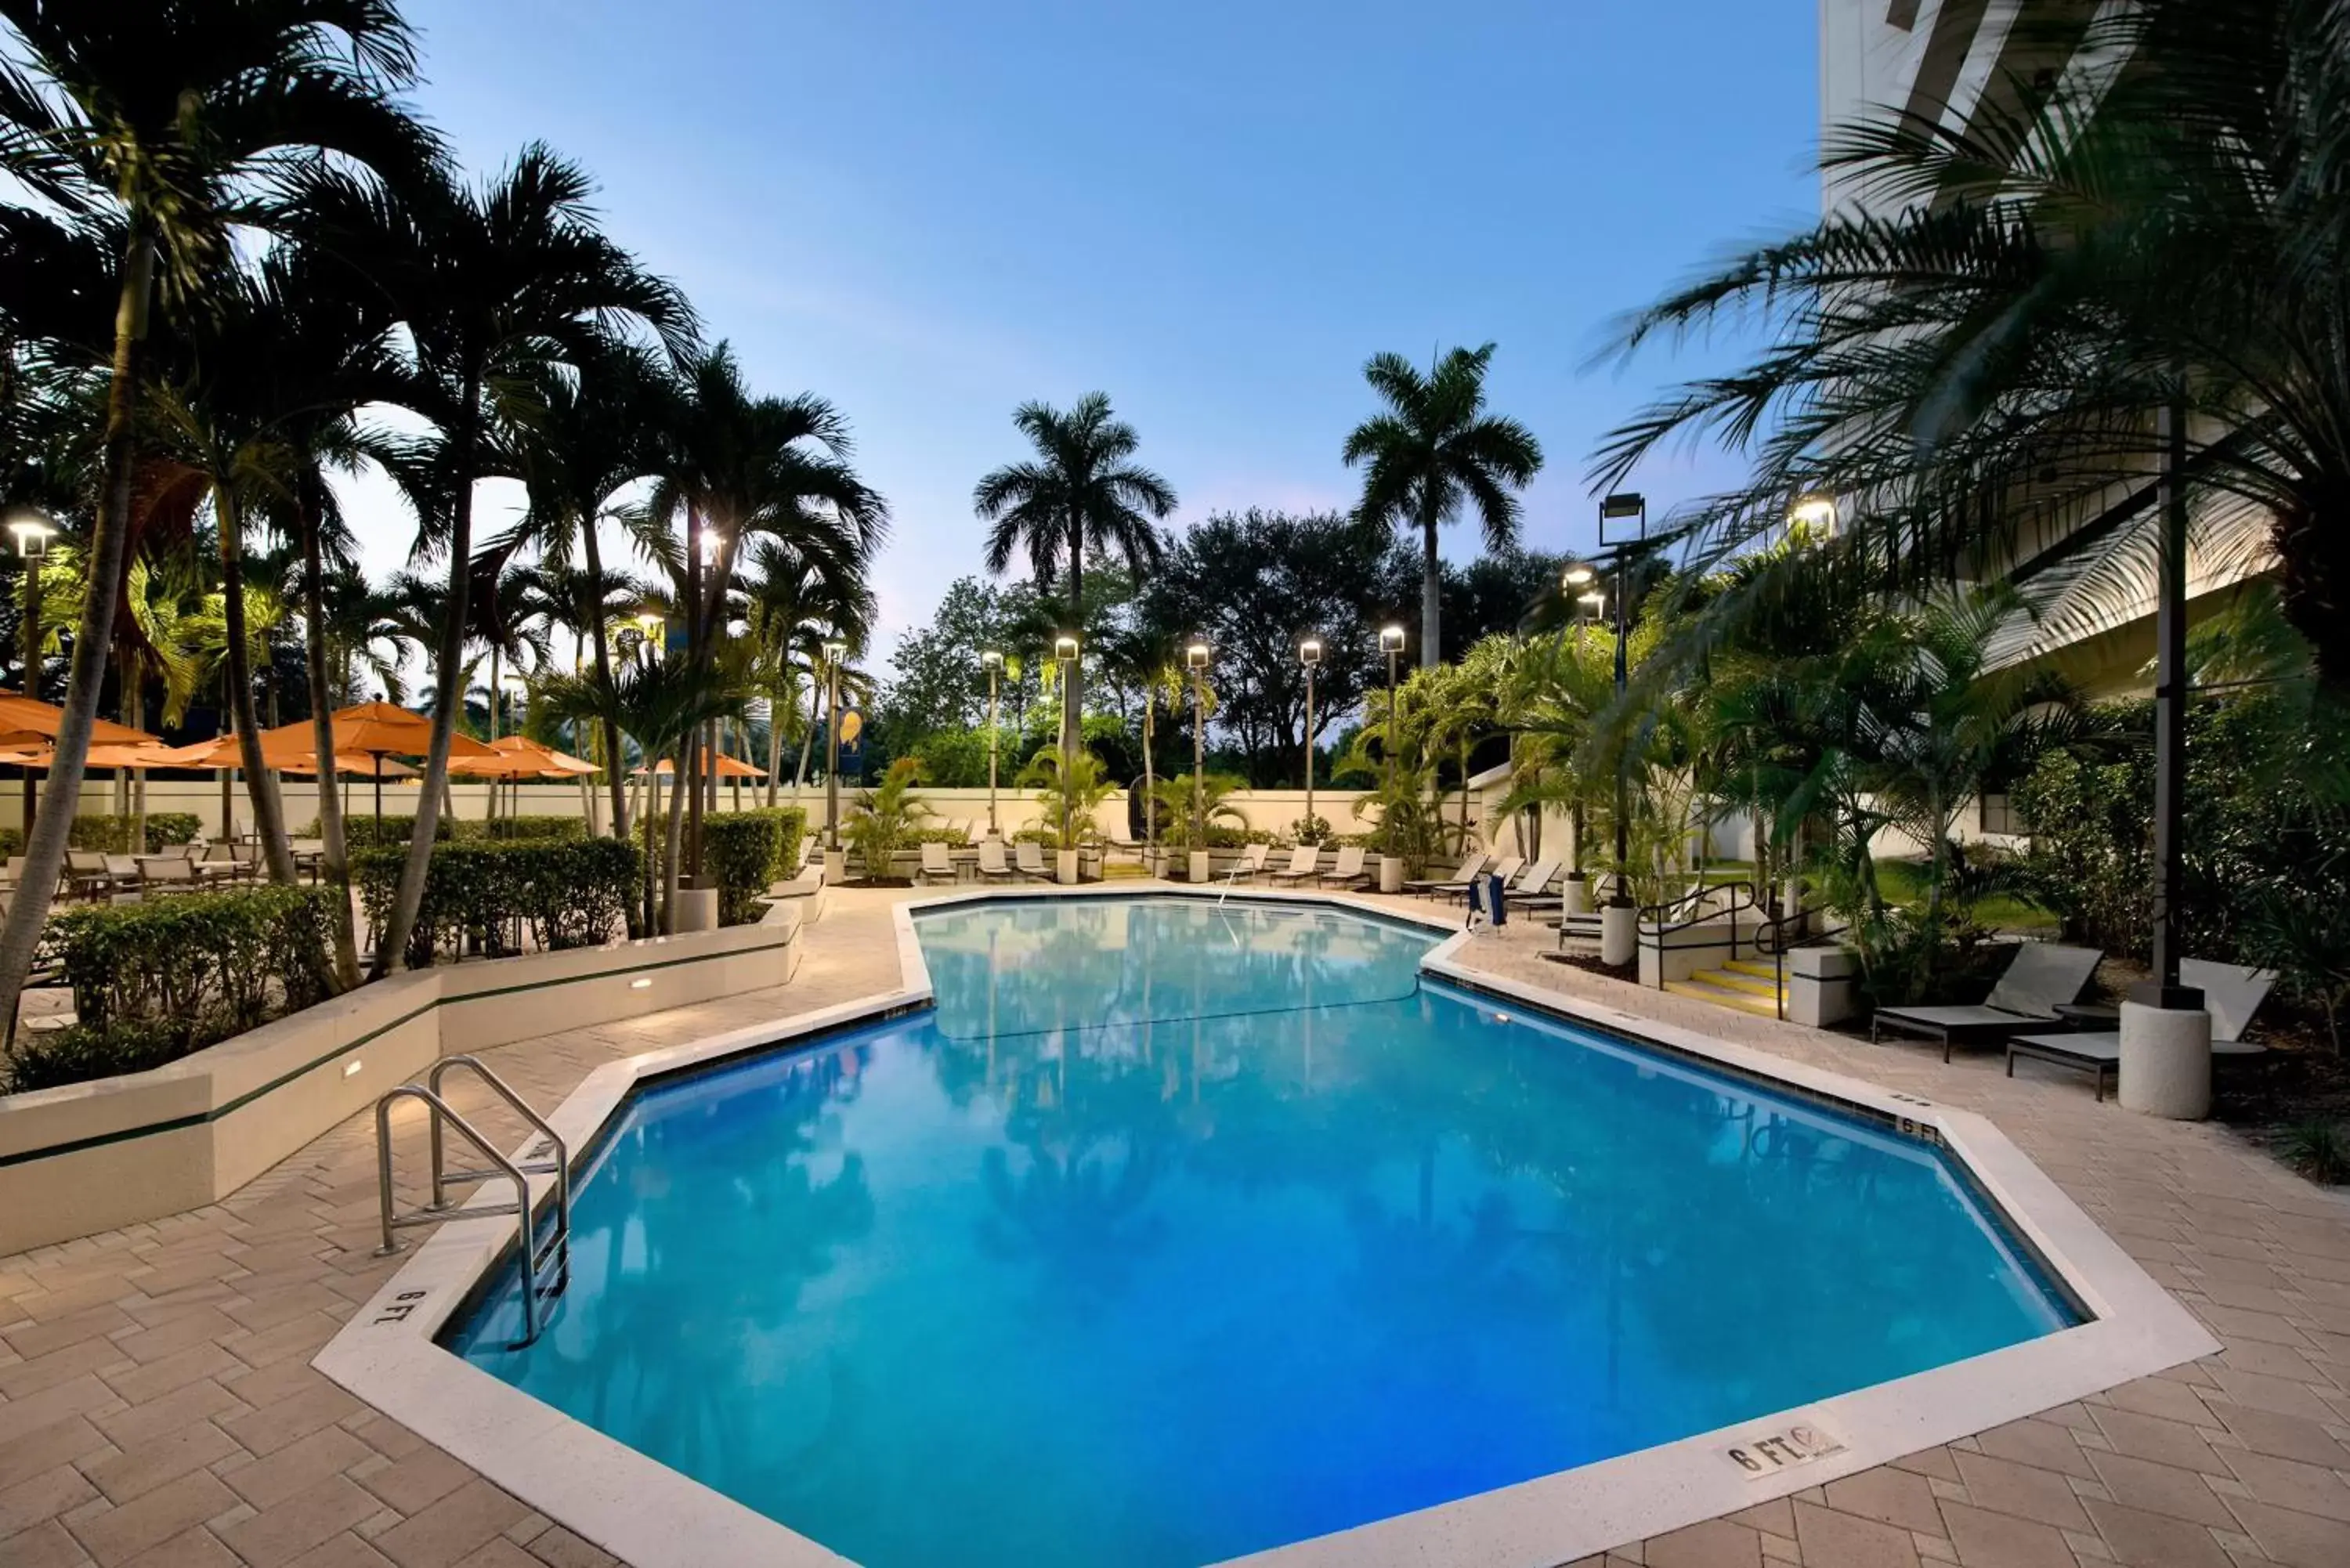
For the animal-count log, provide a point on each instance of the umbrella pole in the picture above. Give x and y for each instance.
(377, 757)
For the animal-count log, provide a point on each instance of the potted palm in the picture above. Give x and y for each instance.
(1066, 803)
(1191, 818)
(882, 821)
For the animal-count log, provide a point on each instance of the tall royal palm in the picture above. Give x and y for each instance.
(166, 119)
(1081, 492)
(494, 283)
(1433, 452)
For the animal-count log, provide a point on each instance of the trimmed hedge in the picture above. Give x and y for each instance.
(112, 834)
(362, 831)
(747, 851)
(155, 981)
(570, 894)
(532, 829)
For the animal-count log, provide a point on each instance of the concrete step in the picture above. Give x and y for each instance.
(1759, 968)
(1728, 979)
(1743, 1000)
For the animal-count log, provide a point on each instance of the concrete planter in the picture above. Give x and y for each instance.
(695, 909)
(2166, 1068)
(1198, 870)
(1619, 935)
(1390, 874)
(1064, 868)
(835, 868)
(1576, 893)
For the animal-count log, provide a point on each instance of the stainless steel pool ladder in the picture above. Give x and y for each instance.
(547, 1156)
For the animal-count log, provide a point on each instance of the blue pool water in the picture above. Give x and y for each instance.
(1177, 1232)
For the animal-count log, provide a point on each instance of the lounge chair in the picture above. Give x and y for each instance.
(991, 867)
(1250, 865)
(2231, 994)
(1303, 862)
(87, 870)
(2040, 978)
(1028, 859)
(1507, 867)
(1459, 881)
(1348, 872)
(1533, 885)
(936, 862)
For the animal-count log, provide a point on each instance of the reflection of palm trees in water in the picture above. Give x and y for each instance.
(681, 1374)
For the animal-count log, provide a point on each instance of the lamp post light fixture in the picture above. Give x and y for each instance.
(834, 651)
(994, 662)
(1616, 508)
(33, 533)
(649, 630)
(1064, 654)
(1195, 659)
(1814, 514)
(1309, 654)
(1390, 644)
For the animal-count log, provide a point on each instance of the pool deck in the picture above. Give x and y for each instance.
(158, 1404)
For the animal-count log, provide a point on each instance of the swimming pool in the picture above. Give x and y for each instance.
(1177, 1231)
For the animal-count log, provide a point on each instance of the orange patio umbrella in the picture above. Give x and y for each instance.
(551, 762)
(725, 766)
(27, 721)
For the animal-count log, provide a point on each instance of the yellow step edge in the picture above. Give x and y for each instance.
(1739, 981)
(1759, 970)
(1743, 1002)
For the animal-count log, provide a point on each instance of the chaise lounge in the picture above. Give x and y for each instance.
(2040, 978)
(2231, 992)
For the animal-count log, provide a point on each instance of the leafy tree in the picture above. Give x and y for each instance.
(1433, 452)
(1254, 583)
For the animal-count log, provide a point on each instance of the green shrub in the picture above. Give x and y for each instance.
(155, 981)
(519, 829)
(567, 893)
(361, 830)
(112, 834)
(747, 851)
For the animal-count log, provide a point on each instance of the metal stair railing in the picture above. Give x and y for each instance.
(535, 1256)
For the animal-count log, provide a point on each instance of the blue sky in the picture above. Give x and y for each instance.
(1213, 211)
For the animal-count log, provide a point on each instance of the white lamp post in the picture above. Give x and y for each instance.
(1619, 922)
(994, 662)
(1309, 654)
(33, 533)
(1390, 863)
(834, 651)
(1195, 660)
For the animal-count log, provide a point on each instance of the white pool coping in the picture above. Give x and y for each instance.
(654, 1517)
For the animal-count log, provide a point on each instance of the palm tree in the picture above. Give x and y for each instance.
(738, 466)
(1433, 452)
(793, 602)
(493, 282)
(593, 435)
(1081, 492)
(1981, 363)
(164, 121)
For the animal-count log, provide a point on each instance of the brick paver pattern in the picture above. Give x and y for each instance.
(157, 1404)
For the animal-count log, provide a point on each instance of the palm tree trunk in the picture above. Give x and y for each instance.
(807, 736)
(1431, 593)
(1073, 689)
(45, 846)
(335, 861)
(1149, 780)
(603, 676)
(260, 784)
(674, 849)
(775, 748)
(447, 684)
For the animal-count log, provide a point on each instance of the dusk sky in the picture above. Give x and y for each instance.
(1214, 211)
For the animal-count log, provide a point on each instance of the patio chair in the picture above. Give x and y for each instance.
(86, 873)
(167, 874)
(991, 867)
(1303, 862)
(1348, 872)
(936, 862)
(219, 863)
(1507, 867)
(2232, 993)
(1532, 889)
(1028, 859)
(2040, 978)
(1459, 881)
(1250, 865)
